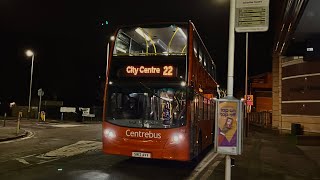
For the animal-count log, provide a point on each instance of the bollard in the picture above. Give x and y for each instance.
(18, 124)
(4, 119)
(43, 116)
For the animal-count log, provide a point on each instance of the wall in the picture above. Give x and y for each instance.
(301, 93)
(276, 93)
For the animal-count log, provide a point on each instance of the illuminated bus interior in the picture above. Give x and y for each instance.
(159, 41)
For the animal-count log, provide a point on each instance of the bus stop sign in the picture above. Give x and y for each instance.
(249, 100)
(252, 15)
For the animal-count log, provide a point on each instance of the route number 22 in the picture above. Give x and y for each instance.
(167, 70)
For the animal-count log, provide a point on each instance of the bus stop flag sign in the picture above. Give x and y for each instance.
(252, 15)
(249, 100)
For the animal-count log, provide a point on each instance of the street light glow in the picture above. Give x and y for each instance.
(29, 53)
(112, 38)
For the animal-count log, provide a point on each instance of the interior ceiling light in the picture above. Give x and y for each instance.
(183, 34)
(144, 35)
(121, 50)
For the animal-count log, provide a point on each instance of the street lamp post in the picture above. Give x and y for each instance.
(112, 38)
(29, 53)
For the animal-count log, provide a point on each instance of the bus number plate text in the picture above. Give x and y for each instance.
(141, 154)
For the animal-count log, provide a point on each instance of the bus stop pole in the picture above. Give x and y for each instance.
(231, 48)
(230, 71)
(246, 88)
(227, 175)
(39, 108)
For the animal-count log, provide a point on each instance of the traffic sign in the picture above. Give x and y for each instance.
(40, 92)
(249, 100)
(252, 15)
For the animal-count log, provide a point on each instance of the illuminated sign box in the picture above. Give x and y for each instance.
(229, 126)
(252, 16)
(148, 71)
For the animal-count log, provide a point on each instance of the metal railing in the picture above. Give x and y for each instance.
(263, 119)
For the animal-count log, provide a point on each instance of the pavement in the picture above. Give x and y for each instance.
(10, 133)
(266, 155)
(269, 155)
(9, 130)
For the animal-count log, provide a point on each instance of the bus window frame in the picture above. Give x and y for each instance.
(196, 47)
(201, 47)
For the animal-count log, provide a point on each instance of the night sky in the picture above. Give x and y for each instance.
(69, 43)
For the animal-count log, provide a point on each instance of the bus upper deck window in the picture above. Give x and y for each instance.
(195, 48)
(121, 44)
(161, 40)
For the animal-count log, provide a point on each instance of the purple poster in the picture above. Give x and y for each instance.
(227, 127)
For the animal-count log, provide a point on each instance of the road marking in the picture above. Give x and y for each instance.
(210, 170)
(73, 149)
(27, 156)
(202, 165)
(65, 151)
(65, 125)
(23, 161)
(42, 162)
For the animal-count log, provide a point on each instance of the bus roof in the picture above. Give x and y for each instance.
(151, 24)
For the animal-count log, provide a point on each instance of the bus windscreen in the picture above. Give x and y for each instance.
(146, 107)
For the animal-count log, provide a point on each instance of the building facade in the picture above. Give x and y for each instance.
(296, 68)
(261, 89)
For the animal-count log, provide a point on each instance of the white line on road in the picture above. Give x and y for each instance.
(65, 151)
(66, 125)
(42, 162)
(27, 156)
(23, 161)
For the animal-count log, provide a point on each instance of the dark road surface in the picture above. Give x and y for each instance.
(97, 166)
(60, 151)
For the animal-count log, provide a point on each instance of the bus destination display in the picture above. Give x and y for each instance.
(149, 71)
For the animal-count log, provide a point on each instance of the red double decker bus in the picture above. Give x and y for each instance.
(159, 93)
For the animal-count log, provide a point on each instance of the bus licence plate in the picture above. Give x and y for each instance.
(141, 154)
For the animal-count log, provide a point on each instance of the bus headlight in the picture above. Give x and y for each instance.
(108, 133)
(176, 138)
